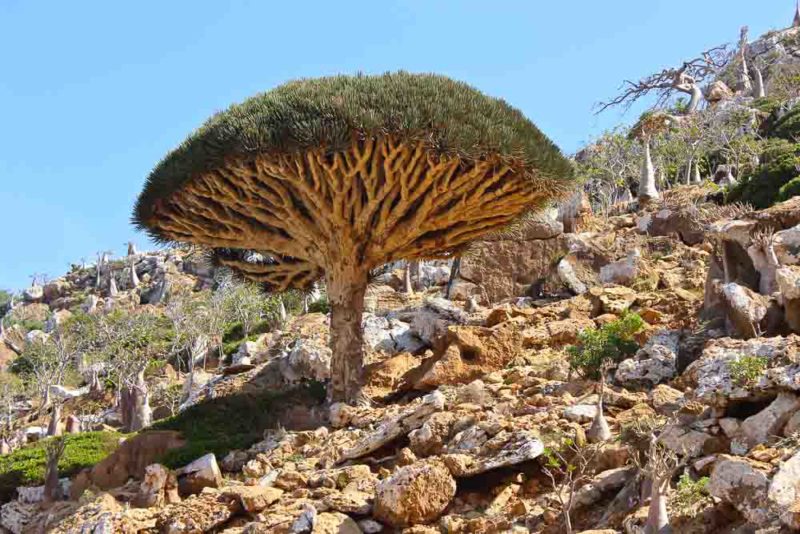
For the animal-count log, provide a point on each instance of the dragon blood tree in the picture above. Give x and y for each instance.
(332, 177)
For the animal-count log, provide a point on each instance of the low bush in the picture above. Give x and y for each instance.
(612, 341)
(747, 370)
(233, 422)
(780, 163)
(320, 306)
(789, 189)
(26, 466)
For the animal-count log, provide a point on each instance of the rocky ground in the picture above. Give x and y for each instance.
(468, 407)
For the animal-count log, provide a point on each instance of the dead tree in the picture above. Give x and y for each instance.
(52, 485)
(686, 79)
(568, 470)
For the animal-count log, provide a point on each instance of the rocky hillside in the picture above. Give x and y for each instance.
(567, 370)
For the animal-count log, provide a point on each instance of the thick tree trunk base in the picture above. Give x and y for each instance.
(346, 295)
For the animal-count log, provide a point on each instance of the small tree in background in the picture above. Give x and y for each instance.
(333, 177)
(612, 342)
(568, 468)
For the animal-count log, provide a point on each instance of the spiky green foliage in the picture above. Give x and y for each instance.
(788, 126)
(452, 117)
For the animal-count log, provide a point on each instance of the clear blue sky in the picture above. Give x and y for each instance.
(94, 93)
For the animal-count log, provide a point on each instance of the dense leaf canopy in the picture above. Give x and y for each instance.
(450, 116)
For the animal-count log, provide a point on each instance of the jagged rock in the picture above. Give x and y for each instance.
(201, 473)
(56, 319)
(504, 449)
(718, 91)
(393, 428)
(309, 360)
(655, 362)
(387, 376)
(72, 425)
(471, 352)
(199, 513)
(759, 428)
(622, 272)
(506, 266)
(788, 280)
(787, 244)
(611, 299)
(745, 309)
(689, 442)
(432, 435)
(602, 483)
(335, 523)
(16, 515)
(743, 485)
(556, 334)
(417, 493)
(566, 273)
(784, 492)
(254, 499)
(581, 413)
(390, 335)
(153, 486)
(666, 400)
(33, 293)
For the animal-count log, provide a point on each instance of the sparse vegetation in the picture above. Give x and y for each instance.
(689, 495)
(747, 370)
(613, 341)
(27, 466)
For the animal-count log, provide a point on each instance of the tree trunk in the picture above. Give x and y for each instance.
(95, 386)
(135, 405)
(52, 427)
(346, 292)
(647, 182)
(134, 277)
(657, 518)
(454, 270)
(599, 431)
(696, 178)
(695, 96)
(688, 175)
(759, 91)
(52, 484)
(409, 287)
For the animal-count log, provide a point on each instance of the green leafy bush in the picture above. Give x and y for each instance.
(231, 422)
(747, 370)
(26, 466)
(689, 494)
(788, 126)
(780, 162)
(789, 189)
(320, 306)
(612, 341)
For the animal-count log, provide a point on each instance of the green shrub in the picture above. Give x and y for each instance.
(789, 189)
(233, 422)
(788, 126)
(320, 306)
(613, 341)
(689, 494)
(26, 466)
(780, 162)
(747, 370)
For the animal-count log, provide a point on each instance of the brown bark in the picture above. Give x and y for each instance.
(52, 427)
(346, 295)
(52, 486)
(135, 405)
(409, 287)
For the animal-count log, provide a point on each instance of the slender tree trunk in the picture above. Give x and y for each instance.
(134, 277)
(759, 91)
(52, 484)
(52, 427)
(696, 179)
(454, 270)
(409, 287)
(95, 387)
(346, 292)
(135, 405)
(696, 95)
(657, 518)
(647, 182)
(599, 431)
(688, 175)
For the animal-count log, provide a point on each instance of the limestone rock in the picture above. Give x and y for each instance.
(622, 272)
(655, 362)
(743, 485)
(254, 499)
(666, 400)
(335, 523)
(417, 493)
(611, 299)
(784, 492)
(391, 429)
(199, 513)
(502, 450)
(201, 473)
(745, 309)
(769, 422)
(567, 275)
